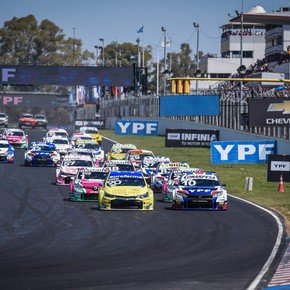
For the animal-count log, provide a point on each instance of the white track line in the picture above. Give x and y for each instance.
(268, 263)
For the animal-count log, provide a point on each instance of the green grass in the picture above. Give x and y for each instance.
(234, 175)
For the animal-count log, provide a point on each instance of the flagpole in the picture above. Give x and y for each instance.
(143, 61)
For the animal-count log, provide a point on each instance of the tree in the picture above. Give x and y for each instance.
(24, 41)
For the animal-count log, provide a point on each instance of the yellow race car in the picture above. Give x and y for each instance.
(126, 190)
(93, 131)
(118, 151)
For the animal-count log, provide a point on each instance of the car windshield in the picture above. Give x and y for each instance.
(3, 145)
(85, 153)
(42, 148)
(123, 167)
(27, 116)
(95, 175)
(58, 141)
(62, 134)
(89, 131)
(78, 163)
(39, 117)
(126, 182)
(200, 182)
(87, 146)
(15, 133)
(2, 115)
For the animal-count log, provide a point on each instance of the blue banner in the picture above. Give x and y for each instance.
(137, 127)
(187, 105)
(242, 151)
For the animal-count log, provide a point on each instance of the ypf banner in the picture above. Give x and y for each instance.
(278, 165)
(130, 127)
(29, 100)
(254, 151)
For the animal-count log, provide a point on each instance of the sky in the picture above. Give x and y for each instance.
(119, 20)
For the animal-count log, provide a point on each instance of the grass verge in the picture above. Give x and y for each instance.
(233, 175)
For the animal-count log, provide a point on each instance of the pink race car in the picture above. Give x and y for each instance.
(85, 186)
(69, 166)
(16, 137)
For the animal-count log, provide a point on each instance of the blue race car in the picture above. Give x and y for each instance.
(41, 154)
(201, 190)
(6, 152)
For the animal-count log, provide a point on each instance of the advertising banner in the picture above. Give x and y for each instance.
(242, 151)
(66, 75)
(190, 138)
(137, 127)
(278, 165)
(189, 105)
(29, 100)
(98, 123)
(269, 112)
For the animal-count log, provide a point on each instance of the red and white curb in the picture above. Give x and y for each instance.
(281, 278)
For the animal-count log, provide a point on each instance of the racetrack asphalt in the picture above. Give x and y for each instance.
(48, 242)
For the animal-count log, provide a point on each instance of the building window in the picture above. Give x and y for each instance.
(247, 54)
(236, 54)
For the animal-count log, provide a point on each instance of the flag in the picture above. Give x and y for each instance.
(168, 43)
(140, 30)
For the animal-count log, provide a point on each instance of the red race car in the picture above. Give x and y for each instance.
(26, 120)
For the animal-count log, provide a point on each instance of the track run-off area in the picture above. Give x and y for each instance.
(48, 242)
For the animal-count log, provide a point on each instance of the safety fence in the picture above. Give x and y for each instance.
(233, 112)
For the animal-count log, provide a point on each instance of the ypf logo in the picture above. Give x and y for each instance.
(136, 127)
(8, 73)
(284, 107)
(11, 100)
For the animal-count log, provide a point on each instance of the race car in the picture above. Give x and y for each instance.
(27, 120)
(200, 190)
(94, 146)
(125, 190)
(84, 151)
(16, 137)
(6, 152)
(136, 156)
(121, 165)
(78, 137)
(93, 131)
(171, 183)
(51, 133)
(40, 121)
(3, 119)
(69, 166)
(86, 185)
(162, 173)
(41, 154)
(118, 151)
(61, 143)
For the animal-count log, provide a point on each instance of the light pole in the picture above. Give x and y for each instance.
(74, 50)
(97, 54)
(241, 14)
(103, 50)
(164, 49)
(138, 52)
(196, 25)
(116, 59)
